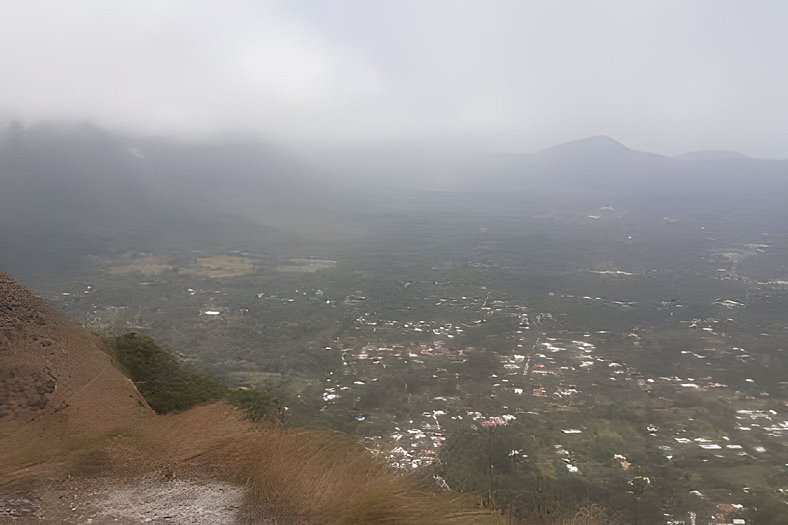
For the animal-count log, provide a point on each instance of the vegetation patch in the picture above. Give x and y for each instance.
(170, 386)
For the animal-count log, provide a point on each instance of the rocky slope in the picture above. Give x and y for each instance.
(55, 372)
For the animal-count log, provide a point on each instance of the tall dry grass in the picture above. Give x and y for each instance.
(293, 476)
(305, 476)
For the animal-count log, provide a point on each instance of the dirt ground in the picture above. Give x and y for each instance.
(214, 266)
(219, 266)
(148, 265)
(152, 500)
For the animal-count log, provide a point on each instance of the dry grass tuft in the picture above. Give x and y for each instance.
(291, 475)
(321, 477)
(310, 476)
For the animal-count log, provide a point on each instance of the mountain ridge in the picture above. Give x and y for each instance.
(74, 192)
(713, 155)
(594, 142)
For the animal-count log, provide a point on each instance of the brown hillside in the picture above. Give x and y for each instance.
(58, 389)
(56, 372)
(78, 444)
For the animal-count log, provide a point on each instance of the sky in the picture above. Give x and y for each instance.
(667, 76)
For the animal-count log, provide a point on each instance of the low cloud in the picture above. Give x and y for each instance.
(659, 75)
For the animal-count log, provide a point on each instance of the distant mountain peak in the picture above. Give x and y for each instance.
(590, 145)
(599, 140)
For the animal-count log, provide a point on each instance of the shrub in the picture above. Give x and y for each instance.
(170, 386)
(256, 405)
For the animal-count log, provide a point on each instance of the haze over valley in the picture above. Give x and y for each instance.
(607, 303)
(462, 264)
